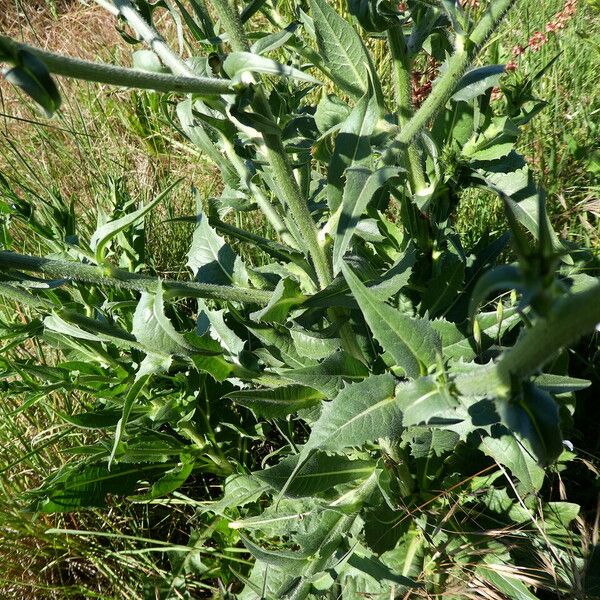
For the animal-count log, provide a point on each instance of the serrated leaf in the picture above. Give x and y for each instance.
(505, 449)
(108, 231)
(412, 342)
(361, 412)
(285, 297)
(213, 322)
(341, 48)
(320, 473)
(210, 258)
(87, 485)
(361, 186)
(156, 333)
(330, 375)
(422, 402)
(276, 402)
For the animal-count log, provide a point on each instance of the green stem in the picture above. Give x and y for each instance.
(444, 86)
(258, 195)
(133, 281)
(402, 65)
(276, 153)
(574, 315)
(109, 74)
(172, 60)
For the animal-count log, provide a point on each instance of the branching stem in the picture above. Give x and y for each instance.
(444, 86)
(113, 277)
(134, 78)
(276, 154)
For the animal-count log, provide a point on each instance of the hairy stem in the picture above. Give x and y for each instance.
(109, 74)
(402, 64)
(172, 60)
(444, 86)
(276, 154)
(573, 316)
(112, 277)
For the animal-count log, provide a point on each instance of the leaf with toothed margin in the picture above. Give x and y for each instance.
(412, 342)
(277, 402)
(342, 49)
(156, 333)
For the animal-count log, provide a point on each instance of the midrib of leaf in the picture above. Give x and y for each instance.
(363, 414)
(343, 52)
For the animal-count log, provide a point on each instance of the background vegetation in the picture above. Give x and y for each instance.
(108, 148)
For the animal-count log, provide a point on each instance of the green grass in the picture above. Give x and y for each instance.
(108, 147)
(562, 143)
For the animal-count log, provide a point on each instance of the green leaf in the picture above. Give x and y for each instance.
(341, 48)
(102, 236)
(32, 76)
(506, 450)
(213, 322)
(134, 391)
(330, 112)
(352, 146)
(285, 297)
(315, 344)
(498, 575)
(534, 416)
(560, 384)
(195, 130)
(211, 259)
(329, 376)
(361, 186)
(277, 402)
(271, 42)
(156, 333)
(87, 485)
(422, 401)
(172, 480)
(476, 81)
(412, 342)
(237, 63)
(360, 413)
(291, 562)
(320, 473)
(494, 142)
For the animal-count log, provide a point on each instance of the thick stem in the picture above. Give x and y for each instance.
(268, 210)
(152, 38)
(134, 78)
(573, 316)
(232, 24)
(402, 64)
(444, 86)
(112, 277)
(276, 154)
